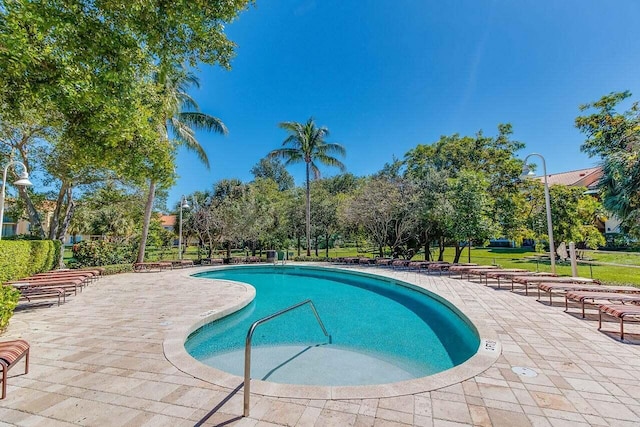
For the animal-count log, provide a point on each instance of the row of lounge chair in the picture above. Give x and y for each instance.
(56, 284)
(621, 302)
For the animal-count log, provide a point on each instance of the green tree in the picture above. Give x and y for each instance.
(90, 61)
(306, 144)
(614, 137)
(273, 168)
(471, 218)
(178, 126)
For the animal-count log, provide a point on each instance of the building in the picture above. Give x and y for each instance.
(588, 178)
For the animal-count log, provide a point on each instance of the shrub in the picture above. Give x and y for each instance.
(117, 268)
(99, 253)
(8, 300)
(14, 259)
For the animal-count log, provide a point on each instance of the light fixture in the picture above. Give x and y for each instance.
(23, 181)
(527, 173)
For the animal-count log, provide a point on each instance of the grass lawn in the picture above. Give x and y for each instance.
(504, 257)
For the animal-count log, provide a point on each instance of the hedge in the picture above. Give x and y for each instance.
(8, 300)
(22, 258)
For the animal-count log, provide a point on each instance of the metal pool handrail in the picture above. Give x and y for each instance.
(247, 347)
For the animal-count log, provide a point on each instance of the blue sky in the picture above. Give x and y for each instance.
(384, 76)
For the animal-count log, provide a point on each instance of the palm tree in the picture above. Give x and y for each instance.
(305, 143)
(178, 126)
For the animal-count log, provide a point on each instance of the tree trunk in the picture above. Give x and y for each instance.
(326, 239)
(228, 247)
(308, 213)
(427, 250)
(55, 218)
(381, 251)
(32, 212)
(299, 244)
(71, 207)
(316, 245)
(147, 220)
(469, 261)
(441, 249)
(459, 250)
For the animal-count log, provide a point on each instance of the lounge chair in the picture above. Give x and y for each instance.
(150, 266)
(439, 266)
(383, 262)
(621, 311)
(31, 293)
(10, 354)
(465, 268)
(68, 284)
(502, 274)
(592, 297)
(534, 280)
(484, 272)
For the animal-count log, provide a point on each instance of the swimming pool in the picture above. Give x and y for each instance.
(382, 330)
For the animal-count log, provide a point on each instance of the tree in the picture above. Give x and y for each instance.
(492, 159)
(273, 169)
(615, 138)
(178, 126)
(90, 61)
(306, 144)
(471, 218)
(385, 209)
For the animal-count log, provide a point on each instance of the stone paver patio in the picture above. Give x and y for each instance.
(99, 360)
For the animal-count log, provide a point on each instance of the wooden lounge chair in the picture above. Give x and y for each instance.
(465, 268)
(563, 288)
(140, 267)
(383, 262)
(534, 280)
(68, 284)
(621, 311)
(484, 272)
(439, 266)
(31, 293)
(10, 354)
(501, 274)
(596, 298)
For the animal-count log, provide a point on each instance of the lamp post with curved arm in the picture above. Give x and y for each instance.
(183, 205)
(527, 173)
(23, 181)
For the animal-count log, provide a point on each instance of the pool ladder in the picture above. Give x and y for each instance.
(247, 346)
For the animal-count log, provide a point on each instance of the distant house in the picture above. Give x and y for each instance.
(168, 222)
(588, 178)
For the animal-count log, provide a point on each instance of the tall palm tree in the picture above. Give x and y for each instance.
(180, 118)
(306, 143)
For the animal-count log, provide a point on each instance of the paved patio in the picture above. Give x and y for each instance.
(98, 360)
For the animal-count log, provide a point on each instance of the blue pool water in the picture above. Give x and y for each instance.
(381, 331)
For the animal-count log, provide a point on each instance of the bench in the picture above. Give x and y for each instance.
(10, 354)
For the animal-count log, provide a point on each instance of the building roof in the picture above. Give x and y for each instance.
(579, 178)
(168, 220)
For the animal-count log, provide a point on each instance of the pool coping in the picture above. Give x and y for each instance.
(489, 350)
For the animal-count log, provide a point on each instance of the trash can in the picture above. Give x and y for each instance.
(271, 256)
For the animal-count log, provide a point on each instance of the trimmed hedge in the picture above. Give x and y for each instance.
(100, 253)
(117, 268)
(8, 300)
(18, 259)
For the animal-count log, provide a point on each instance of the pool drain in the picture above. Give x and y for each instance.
(524, 372)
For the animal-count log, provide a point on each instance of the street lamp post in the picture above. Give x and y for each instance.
(527, 173)
(23, 181)
(183, 205)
